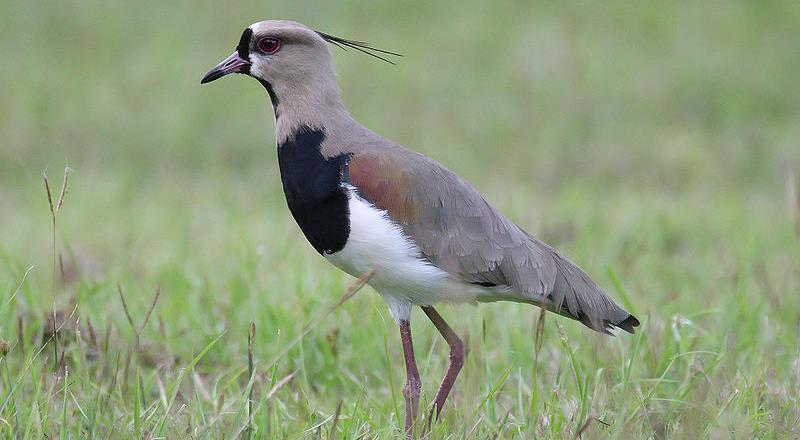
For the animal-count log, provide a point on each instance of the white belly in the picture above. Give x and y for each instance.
(402, 276)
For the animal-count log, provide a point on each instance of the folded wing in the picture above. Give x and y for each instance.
(460, 232)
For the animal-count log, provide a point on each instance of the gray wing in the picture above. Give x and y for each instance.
(460, 232)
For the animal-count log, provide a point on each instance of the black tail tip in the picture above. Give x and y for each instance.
(629, 323)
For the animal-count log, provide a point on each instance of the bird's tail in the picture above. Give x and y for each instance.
(577, 296)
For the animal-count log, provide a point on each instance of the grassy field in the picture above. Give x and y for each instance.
(657, 144)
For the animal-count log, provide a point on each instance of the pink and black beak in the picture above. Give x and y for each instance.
(238, 62)
(232, 64)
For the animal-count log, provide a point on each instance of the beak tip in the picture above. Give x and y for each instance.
(210, 76)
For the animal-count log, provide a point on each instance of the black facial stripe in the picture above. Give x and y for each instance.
(312, 185)
(244, 45)
(272, 96)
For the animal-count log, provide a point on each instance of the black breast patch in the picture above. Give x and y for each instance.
(311, 183)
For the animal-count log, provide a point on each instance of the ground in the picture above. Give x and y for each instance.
(657, 145)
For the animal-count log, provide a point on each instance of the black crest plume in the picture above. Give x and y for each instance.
(359, 46)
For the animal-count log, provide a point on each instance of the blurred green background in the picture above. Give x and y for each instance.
(653, 142)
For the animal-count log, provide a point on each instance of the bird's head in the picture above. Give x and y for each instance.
(278, 53)
(288, 58)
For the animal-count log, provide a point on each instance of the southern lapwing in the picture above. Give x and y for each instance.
(365, 202)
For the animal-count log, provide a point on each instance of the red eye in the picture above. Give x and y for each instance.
(268, 45)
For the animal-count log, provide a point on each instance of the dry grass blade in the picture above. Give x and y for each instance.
(200, 386)
(54, 209)
(251, 337)
(49, 193)
(61, 269)
(539, 336)
(19, 286)
(150, 310)
(57, 322)
(355, 287)
(280, 385)
(63, 189)
(332, 432)
(138, 330)
(162, 391)
(220, 404)
(93, 339)
(20, 336)
(538, 341)
(584, 427)
(125, 306)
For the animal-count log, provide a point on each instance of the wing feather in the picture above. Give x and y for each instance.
(460, 232)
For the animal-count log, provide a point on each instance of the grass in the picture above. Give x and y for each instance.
(656, 145)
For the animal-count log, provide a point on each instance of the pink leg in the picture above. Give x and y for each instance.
(456, 361)
(411, 389)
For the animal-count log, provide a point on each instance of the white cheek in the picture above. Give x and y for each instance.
(258, 67)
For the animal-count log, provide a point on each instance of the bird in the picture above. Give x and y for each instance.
(366, 203)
